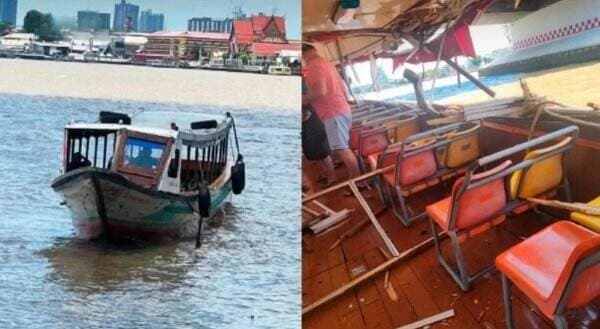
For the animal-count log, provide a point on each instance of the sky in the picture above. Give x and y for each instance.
(177, 12)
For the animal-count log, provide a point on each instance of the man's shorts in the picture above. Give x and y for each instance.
(338, 131)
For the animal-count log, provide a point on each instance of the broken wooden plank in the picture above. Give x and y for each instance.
(572, 206)
(430, 320)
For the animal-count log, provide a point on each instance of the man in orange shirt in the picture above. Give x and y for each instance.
(327, 96)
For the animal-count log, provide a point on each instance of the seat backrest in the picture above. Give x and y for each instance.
(398, 130)
(372, 141)
(479, 204)
(419, 165)
(464, 148)
(413, 168)
(540, 177)
(587, 285)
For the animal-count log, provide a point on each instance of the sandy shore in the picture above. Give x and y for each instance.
(573, 85)
(150, 84)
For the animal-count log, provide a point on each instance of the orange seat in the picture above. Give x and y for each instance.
(475, 206)
(478, 208)
(354, 134)
(372, 141)
(542, 265)
(440, 212)
(414, 168)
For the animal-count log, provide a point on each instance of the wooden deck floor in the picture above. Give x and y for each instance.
(420, 287)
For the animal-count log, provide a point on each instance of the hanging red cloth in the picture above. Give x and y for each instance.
(458, 43)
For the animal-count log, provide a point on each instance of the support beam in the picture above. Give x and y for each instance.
(468, 75)
(415, 43)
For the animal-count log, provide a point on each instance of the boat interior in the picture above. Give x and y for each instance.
(456, 216)
(476, 216)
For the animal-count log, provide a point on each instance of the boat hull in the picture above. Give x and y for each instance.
(105, 202)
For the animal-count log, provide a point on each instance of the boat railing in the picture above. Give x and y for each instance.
(204, 155)
(570, 131)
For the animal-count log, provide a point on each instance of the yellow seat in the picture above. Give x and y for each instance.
(590, 221)
(542, 176)
(399, 130)
(464, 149)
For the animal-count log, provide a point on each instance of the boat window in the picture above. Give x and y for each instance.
(88, 148)
(143, 153)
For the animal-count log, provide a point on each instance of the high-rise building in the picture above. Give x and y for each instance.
(8, 11)
(126, 17)
(150, 22)
(207, 24)
(92, 20)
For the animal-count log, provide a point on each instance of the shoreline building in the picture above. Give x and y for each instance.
(151, 22)
(8, 11)
(208, 24)
(92, 21)
(184, 45)
(126, 17)
(261, 37)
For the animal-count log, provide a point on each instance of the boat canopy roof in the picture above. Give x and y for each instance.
(206, 137)
(113, 126)
(193, 137)
(379, 26)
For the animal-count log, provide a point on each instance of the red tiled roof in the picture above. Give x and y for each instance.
(269, 48)
(243, 31)
(190, 34)
(250, 29)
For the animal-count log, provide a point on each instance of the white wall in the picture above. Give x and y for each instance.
(556, 21)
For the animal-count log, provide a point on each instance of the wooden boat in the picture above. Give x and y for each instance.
(128, 181)
(452, 232)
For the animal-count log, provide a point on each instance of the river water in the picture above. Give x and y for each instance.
(246, 275)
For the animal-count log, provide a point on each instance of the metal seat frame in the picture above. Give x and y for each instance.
(460, 274)
(401, 210)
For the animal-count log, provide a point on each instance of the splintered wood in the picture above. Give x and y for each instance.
(571, 206)
(430, 320)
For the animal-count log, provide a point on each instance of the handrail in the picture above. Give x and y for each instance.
(392, 117)
(467, 184)
(404, 153)
(570, 130)
(432, 132)
(375, 114)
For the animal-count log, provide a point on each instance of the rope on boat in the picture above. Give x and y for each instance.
(539, 105)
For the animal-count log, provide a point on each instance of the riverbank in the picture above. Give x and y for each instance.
(573, 85)
(150, 84)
